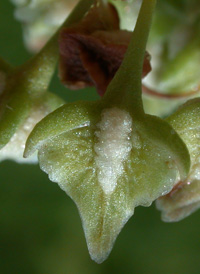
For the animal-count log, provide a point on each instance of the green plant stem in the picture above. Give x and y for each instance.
(36, 74)
(126, 89)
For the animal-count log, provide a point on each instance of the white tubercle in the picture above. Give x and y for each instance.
(113, 146)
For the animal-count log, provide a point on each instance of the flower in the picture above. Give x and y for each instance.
(108, 155)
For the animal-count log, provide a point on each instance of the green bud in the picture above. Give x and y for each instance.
(185, 197)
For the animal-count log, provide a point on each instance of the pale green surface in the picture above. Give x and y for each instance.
(66, 151)
(68, 157)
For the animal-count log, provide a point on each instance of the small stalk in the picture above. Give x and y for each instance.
(126, 87)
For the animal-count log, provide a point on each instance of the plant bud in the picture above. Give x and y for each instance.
(184, 199)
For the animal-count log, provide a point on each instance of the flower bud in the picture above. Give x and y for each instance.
(184, 199)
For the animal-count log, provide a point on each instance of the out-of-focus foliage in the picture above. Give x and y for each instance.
(40, 19)
(175, 44)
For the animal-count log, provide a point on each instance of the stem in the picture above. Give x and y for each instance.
(126, 87)
(36, 74)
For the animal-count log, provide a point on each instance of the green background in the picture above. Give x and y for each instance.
(40, 230)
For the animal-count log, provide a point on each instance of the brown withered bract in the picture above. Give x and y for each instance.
(92, 50)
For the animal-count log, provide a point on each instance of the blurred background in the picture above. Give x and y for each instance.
(40, 229)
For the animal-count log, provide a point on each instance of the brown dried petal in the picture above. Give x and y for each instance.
(92, 51)
(99, 17)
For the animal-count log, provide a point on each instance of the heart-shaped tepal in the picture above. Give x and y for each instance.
(184, 199)
(108, 156)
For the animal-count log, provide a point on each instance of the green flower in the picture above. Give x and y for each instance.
(109, 156)
(184, 199)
